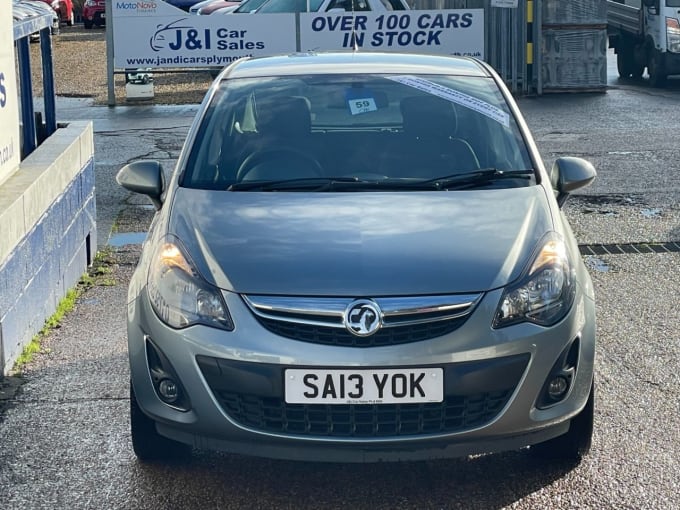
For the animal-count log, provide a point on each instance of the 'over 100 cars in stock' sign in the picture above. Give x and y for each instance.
(156, 34)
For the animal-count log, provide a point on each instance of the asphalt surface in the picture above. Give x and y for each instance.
(64, 434)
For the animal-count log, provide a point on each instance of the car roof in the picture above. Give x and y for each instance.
(354, 62)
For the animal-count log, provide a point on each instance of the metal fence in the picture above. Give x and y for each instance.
(509, 39)
(33, 130)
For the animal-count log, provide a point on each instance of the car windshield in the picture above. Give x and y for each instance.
(272, 6)
(357, 132)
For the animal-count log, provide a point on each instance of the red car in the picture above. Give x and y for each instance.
(94, 13)
(64, 9)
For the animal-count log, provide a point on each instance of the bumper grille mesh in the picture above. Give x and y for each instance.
(454, 414)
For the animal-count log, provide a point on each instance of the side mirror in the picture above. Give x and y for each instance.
(145, 177)
(569, 174)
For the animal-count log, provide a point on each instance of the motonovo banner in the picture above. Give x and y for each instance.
(449, 32)
(9, 108)
(156, 34)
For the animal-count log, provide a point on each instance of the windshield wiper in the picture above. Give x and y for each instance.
(474, 178)
(301, 184)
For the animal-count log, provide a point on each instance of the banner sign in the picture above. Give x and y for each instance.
(448, 32)
(151, 34)
(10, 150)
(508, 4)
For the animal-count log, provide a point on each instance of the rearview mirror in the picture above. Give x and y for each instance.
(145, 177)
(569, 174)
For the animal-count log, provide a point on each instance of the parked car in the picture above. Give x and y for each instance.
(360, 257)
(209, 6)
(64, 9)
(185, 5)
(94, 13)
(272, 6)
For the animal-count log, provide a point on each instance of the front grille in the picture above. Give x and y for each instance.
(341, 337)
(325, 320)
(454, 414)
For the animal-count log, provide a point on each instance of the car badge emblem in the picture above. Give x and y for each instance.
(362, 317)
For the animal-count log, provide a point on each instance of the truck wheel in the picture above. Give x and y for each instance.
(656, 69)
(575, 444)
(623, 65)
(87, 24)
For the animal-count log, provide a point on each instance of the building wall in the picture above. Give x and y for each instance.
(48, 234)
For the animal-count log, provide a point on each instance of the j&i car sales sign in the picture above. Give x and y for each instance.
(155, 34)
(9, 109)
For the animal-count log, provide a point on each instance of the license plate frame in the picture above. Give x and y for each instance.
(408, 385)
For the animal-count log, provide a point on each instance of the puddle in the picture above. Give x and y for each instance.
(597, 264)
(121, 239)
(604, 213)
(651, 213)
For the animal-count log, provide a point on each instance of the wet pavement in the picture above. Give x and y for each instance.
(64, 436)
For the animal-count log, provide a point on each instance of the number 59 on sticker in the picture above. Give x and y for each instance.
(362, 105)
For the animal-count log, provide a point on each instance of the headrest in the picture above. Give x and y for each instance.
(428, 117)
(284, 116)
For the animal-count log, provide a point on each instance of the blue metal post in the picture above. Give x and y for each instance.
(28, 142)
(48, 81)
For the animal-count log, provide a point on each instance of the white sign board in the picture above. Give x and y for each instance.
(448, 32)
(149, 34)
(508, 4)
(152, 34)
(9, 108)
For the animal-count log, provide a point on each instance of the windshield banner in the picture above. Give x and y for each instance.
(154, 34)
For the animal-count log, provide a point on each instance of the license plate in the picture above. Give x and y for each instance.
(393, 386)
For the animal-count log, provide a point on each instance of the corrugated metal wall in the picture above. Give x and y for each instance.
(507, 32)
(542, 44)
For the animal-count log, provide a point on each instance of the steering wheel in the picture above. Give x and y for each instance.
(278, 164)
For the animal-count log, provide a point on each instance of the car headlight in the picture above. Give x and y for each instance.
(545, 293)
(179, 295)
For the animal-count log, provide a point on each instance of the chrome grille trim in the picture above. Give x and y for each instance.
(328, 312)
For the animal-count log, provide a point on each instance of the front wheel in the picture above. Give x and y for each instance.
(576, 443)
(147, 443)
(87, 24)
(70, 20)
(656, 69)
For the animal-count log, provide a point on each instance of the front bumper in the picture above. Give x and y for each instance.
(235, 384)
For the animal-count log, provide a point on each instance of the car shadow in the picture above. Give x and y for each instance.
(486, 481)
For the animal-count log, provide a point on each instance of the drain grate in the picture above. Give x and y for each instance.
(619, 249)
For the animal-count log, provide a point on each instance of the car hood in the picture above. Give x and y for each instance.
(360, 244)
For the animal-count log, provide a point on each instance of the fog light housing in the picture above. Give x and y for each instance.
(558, 387)
(168, 391)
(165, 381)
(560, 379)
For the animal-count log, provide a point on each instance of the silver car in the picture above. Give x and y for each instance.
(360, 257)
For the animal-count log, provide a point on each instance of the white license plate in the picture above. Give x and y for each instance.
(393, 386)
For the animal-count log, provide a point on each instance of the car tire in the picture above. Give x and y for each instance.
(70, 20)
(147, 443)
(626, 64)
(87, 24)
(576, 443)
